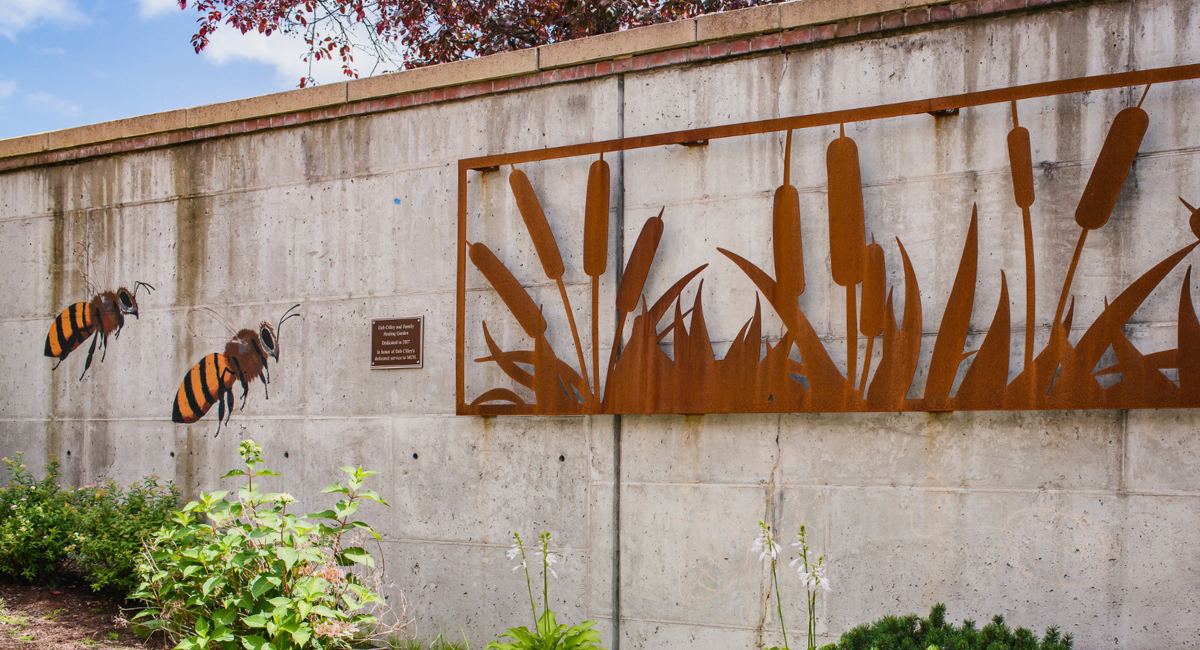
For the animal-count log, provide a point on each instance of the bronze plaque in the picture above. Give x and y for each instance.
(396, 342)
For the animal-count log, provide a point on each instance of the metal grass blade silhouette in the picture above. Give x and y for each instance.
(987, 377)
(901, 349)
(952, 334)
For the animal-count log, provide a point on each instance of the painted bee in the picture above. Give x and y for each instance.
(211, 380)
(104, 314)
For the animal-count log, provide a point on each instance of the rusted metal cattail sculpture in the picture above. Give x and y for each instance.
(847, 234)
(1020, 161)
(874, 299)
(786, 239)
(546, 247)
(595, 250)
(1104, 186)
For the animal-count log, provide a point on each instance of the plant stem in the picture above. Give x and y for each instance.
(1066, 290)
(851, 340)
(812, 623)
(583, 371)
(596, 339)
(528, 584)
(778, 602)
(545, 581)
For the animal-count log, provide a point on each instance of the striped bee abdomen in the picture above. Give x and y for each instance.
(203, 386)
(72, 327)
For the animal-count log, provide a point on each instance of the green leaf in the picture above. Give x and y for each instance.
(322, 610)
(343, 511)
(255, 620)
(234, 472)
(358, 555)
(288, 555)
(254, 642)
(260, 586)
(302, 635)
(211, 584)
(225, 616)
(362, 525)
(372, 495)
(202, 626)
(324, 514)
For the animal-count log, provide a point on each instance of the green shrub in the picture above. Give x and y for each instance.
(47, 531)
(246, 573)
(107, 542)
(36, 522)
(913, 633)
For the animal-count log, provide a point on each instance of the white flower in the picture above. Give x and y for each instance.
(551, 558)
(814, 580)
(765, 544)
(517, 550)
(822, 581)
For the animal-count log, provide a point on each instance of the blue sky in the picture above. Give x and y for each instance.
(73, 62)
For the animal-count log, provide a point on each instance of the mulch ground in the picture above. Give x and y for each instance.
(64, 618)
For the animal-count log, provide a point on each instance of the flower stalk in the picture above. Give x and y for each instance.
(813, 577)
(518, 549)
(768, 551)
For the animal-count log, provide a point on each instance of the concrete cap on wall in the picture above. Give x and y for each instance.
(606, 47)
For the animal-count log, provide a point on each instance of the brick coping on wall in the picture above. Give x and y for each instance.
(761, 29)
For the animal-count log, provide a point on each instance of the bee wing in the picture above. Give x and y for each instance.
(85, 252)
(203, 323)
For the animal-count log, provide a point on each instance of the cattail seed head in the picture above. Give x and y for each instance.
(536, 223)
(847, 230)
(511, 292)
(595, 220)
(874, 291)
(1020, 162)
(788, 245)
(1113, 165)
(638, 269)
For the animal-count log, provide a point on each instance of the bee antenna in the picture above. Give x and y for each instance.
(286, 315)
(139, 284)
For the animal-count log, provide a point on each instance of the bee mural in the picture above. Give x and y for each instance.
(211, 381)
(104, 314)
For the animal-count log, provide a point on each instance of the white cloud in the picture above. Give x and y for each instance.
(151, 8)
(18, 15)
(7, 88)
(46, 102)
(284, 52)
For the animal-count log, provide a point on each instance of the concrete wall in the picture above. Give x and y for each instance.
(1084, 520)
